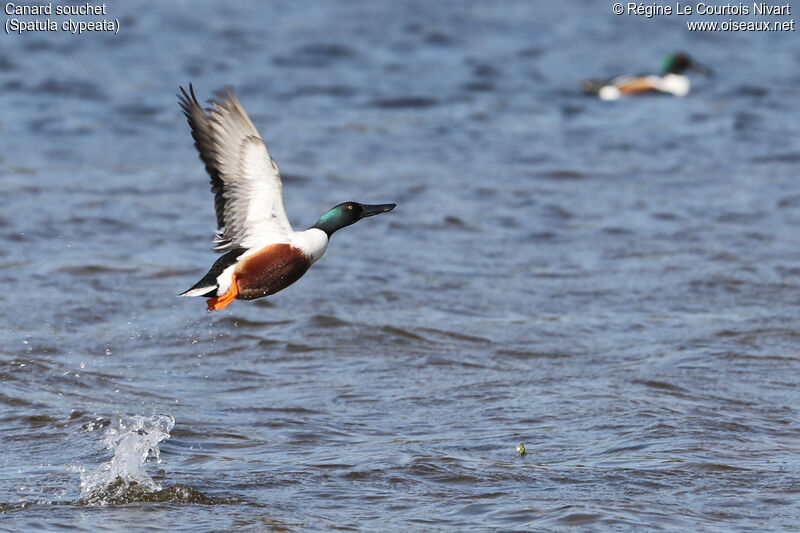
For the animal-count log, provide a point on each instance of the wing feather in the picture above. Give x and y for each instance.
(246, 182)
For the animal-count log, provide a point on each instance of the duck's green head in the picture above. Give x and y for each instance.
(348, 213)
(678, 63)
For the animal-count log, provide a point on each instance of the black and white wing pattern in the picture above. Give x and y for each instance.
(248, 194)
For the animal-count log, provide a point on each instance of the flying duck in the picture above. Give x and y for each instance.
(671, 81)
(263, 254)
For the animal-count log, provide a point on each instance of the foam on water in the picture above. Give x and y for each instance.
(134, 440)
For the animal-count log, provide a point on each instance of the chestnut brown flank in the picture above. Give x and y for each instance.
(638, 85)
(270, 270)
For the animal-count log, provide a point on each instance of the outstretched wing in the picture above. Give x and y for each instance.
(248, 194)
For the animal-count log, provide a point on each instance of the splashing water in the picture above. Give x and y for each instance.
(134, 439)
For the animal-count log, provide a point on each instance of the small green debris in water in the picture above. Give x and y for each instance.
(521, 449)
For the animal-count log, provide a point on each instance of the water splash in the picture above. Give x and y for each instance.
(134, 440)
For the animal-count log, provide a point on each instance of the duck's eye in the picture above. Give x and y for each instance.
(350, 207)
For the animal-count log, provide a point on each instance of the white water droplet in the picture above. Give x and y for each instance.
(133, 439)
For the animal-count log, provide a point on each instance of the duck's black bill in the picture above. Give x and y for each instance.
(701, 69)
(372, 210)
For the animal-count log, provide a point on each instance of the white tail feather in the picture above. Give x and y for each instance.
(200, 291)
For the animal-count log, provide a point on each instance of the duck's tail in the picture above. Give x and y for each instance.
(593, 86)
(208, 285)
(201, 289)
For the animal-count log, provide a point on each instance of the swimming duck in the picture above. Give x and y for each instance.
(263, 254)
(671, 81)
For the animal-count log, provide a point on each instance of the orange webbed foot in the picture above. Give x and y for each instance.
(221, 302)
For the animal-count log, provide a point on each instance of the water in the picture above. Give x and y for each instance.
(134, 440)
(615, 285)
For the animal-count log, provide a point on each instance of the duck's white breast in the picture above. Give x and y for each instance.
(676, 84)
(313, 242)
